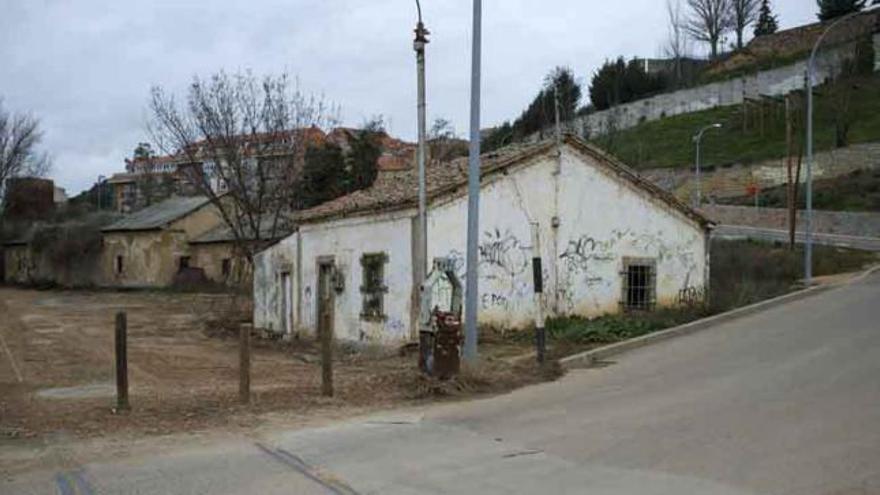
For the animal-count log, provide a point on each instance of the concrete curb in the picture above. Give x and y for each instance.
(588, 358)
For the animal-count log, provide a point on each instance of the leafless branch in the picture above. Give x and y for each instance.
(742, 14)
(20, 137)
(241, 141)
(708, 21)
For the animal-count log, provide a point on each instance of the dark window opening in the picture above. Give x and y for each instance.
(226, 267)
(639, 284)
(183, 263)
(373, 287)
(119, 264)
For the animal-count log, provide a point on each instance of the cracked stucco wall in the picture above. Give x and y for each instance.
(601, 221)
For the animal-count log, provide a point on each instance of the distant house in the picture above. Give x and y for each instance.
(217, 252)
(610, 241)
(18, 265)
(149, 247)
(148, 180)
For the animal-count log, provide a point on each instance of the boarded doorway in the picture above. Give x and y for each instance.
(286, 303)
(325, 297)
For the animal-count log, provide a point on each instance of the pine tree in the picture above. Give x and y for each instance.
(767, 22)
(830, 9)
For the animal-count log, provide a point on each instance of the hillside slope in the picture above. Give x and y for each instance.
(667, 142)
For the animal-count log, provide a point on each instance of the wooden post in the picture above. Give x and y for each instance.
(244, 364)
(121, 362)
(327, 362)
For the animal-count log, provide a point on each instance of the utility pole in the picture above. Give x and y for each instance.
(421, 261)
(471, 286)
(698, 138)
(792, 205)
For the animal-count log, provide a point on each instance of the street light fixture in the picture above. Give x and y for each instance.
(698, 137)
(809, 81)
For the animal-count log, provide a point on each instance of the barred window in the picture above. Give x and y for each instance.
(373, 288)
(639, 284)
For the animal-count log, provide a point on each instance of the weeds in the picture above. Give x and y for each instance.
(742, 272)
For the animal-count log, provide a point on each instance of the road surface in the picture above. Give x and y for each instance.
(782, 402)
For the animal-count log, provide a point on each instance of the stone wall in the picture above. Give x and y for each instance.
(772, 82)
(827, 222)
(725, 182)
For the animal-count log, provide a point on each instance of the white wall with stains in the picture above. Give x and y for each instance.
(599, 220)
(346, 241)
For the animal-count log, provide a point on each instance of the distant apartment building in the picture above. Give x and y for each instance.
(149, 179)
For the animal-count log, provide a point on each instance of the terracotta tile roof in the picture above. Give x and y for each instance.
(398, 189)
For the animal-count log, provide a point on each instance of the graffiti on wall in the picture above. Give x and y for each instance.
(583, 257)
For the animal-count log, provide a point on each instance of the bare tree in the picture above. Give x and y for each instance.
(708, 21)
(743, 13)
(243, 140)
(20, 137)
(676, 46)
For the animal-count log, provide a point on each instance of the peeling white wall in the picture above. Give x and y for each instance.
(601, 220)
(346, 241)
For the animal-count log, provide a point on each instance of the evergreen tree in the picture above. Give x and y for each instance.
(830, 9)
(767, 22)
(323, 177)
(619, 82)
(541, 112)
(363, 157)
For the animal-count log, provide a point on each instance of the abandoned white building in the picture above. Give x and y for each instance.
(609, 241)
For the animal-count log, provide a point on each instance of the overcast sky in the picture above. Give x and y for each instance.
(85, 67)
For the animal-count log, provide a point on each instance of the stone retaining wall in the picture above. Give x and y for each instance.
(827, 222)
(726, 182)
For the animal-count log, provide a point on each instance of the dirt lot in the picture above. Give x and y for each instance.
(57, 369)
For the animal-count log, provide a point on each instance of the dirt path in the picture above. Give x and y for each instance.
(183, 377)
(9, 367)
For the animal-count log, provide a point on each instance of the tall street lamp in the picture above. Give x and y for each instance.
(809, 82)
(421, 262)
(698, 138)
(473, 224)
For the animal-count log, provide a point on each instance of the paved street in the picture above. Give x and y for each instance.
(782, 402)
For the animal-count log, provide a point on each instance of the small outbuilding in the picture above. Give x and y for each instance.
(150, 247)
(609, 241)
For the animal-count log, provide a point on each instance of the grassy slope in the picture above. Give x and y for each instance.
(857, 191)
(667, 142)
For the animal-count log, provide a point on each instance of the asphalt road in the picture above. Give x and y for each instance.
(782, 402)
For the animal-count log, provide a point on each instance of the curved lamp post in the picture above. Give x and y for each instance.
(809, 82)
(698, 137)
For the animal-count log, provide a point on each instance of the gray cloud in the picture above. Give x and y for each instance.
(85, 66)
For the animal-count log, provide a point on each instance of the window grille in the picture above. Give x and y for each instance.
(373, 287)
(639, 284)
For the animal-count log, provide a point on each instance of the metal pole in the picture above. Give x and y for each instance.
(538, 281)
(698, 197)
(471, 286)
(811, 73)
(421, 260)
(422, 235)
(808, 248)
